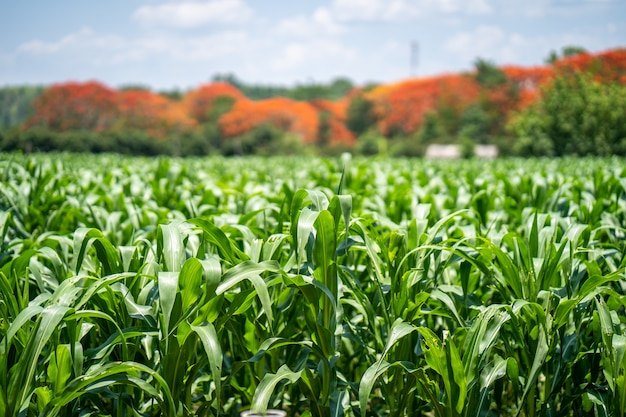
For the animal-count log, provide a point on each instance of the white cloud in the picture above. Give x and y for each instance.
(392, 10)
(190, 14)
(323, 18)
(495, 44)
(320, 23)
(160, 60)
(478, 7)
(542, 8)
(83, 39)
(489, 42)
(482, 38)
(303, 54)
(207, 48)
(334, 39)
(106, 50)
(347, 10)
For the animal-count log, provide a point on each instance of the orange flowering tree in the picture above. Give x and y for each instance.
(153, 113)
(528, 81)
(93, 106)
(75, 106)
(332, 126)
(608, 66)
(474, 105)
(201, 103)
(401, 107)
(300, 118)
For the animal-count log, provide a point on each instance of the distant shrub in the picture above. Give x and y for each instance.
(576, 115)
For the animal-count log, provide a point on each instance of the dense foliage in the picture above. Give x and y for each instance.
(400, 119)
(576, 115)
(375, 287)
(335, 90)
(15, 104)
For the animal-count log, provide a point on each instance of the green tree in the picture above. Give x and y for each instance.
(430, 130)
(15, 104)
(575, 116)
(448, 116)
(475, 124)
(339, 87)
(486, 119)
(336, 89)
(265, 140)
(173, 94)
(134, 87)
(323, 132)
(488, 75)
(566, 52)
(371, 143)
(360, 117)
(220, 106)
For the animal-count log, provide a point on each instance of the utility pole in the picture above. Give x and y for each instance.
(414, 58)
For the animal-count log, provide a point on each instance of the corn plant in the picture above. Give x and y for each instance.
(348, 287)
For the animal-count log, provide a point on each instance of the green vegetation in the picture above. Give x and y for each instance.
(334, 90)
(566, 52)
(359, 115)
(347, 287)
(576, 116)
(574, 106)
(15, 104)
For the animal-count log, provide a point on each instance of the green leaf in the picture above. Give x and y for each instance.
(325, 242)
(168, 284)
(170, 246)
(266, 387)
(190, 282)
(368, 380)
(542, 349)
(445, 360)
(60, 367)
(210, 342)
(23, 379)
(481, 338)
(305, 227)
(99, 376)
(456, 376)
(212, 273)
(597, 280)
(488, 378)
(251, 271)
(108, 256)
(399, 330)
(326, 272)
(216, 236)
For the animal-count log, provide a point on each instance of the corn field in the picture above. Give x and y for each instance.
(323, 287)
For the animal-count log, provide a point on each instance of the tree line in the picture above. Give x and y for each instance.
(573, 105)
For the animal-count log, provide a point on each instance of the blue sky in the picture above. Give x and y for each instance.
(168, 44)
